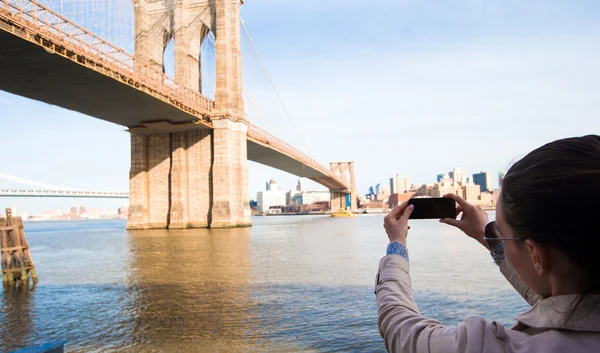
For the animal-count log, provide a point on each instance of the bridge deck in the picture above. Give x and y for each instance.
(29, 70)
(37, 64)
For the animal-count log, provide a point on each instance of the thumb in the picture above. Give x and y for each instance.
(451, 221)
(408, 211)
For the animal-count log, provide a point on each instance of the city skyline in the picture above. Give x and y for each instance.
(491, 85)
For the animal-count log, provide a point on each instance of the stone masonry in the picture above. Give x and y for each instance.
(344, 171)
(195, 178)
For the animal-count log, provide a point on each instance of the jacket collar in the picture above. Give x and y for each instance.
(553, 312)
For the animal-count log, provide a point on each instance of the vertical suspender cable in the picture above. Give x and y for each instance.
(287, 114)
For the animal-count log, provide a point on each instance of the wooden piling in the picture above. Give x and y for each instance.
(17, 263)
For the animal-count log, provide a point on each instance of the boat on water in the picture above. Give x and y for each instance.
(342, 213)
(375, 210)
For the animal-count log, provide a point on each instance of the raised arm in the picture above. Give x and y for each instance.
(472, 223)
(401, 325)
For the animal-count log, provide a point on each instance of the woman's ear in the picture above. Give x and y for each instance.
(540, 257)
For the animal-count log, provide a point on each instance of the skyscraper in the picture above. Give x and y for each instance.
(440, 177)
(484, 180)
(458, 175)
(300, 186)
(399, 184)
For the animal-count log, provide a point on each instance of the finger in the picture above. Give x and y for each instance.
(407, 212)
(459, 209)
(450, 221)
(461, 202)
(397, 211)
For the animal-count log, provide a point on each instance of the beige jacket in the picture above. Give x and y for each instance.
(541, 329)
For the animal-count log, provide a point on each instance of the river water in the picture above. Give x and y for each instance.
(288, 284)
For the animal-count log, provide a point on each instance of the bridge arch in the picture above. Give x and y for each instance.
(182, 28)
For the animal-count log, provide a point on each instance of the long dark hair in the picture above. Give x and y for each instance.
(552, 196)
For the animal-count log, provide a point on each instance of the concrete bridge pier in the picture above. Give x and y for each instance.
(193, 179)
(170, 180)
(338, 201)
(231, 204)
(190, 179)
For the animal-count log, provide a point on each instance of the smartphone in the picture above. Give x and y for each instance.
(433, 208)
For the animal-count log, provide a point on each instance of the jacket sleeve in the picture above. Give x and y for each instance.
(405, 330)
(518, 284)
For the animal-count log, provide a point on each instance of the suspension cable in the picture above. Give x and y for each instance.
(262, 64)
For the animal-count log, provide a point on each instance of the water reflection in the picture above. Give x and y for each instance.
(16, 305)
(287, 284)
(190, 289)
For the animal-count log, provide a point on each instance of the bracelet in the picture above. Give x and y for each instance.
(398, 249)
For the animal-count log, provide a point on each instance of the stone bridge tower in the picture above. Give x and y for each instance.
(344, 171)
(191, 177)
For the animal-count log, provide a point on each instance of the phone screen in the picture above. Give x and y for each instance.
(433, 208)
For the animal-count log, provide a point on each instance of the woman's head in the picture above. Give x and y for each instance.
(551, 200)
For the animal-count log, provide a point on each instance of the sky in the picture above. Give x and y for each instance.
(409, 87)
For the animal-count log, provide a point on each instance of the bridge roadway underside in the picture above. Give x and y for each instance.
(28, 70)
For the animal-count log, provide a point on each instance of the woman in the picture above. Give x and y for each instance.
(546, 241)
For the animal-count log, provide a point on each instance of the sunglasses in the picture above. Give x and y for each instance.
(493, 236)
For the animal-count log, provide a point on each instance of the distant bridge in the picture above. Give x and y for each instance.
(63, 193)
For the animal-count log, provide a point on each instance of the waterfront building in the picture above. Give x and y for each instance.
(484, 180)
(269, 198)
(397, 199)
(399, 184)
(123, 211)
(266, 200)
(486, 199)
(471, 192)
(441, 189)
(425, 190)
(383, 194)
(309, 197)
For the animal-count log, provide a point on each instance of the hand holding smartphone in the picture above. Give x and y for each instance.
(433, 208)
